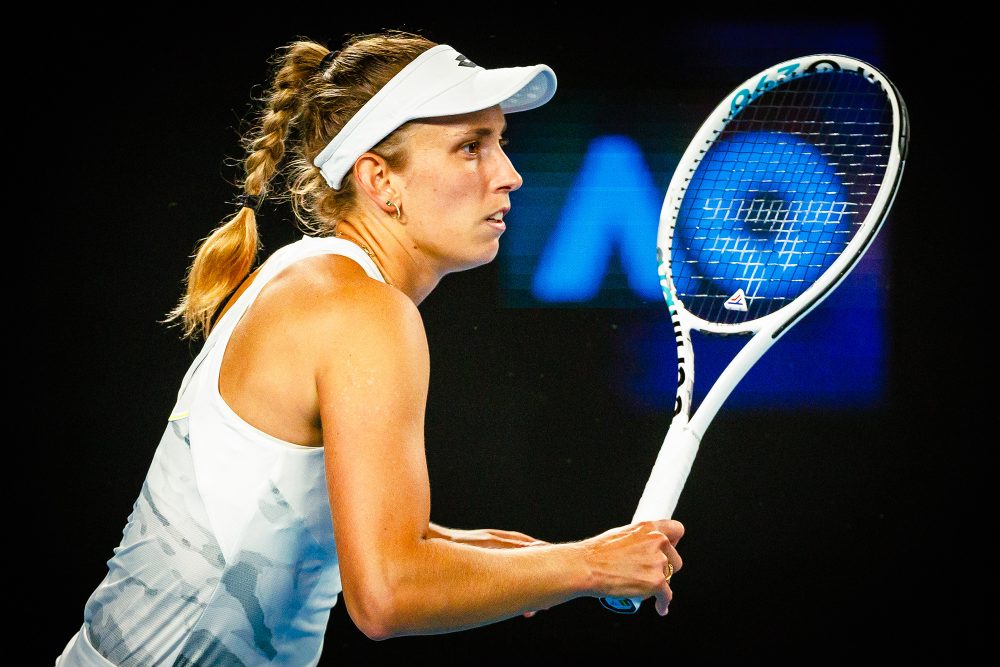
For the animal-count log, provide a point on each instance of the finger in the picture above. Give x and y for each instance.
(673, 557)
(663, 597)
(522, 541)
(674, 530)
(513, 535)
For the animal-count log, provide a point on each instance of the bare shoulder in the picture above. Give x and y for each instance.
(330, 300)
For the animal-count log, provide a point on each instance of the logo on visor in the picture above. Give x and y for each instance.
(464, 62)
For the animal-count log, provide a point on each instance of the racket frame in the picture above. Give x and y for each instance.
(680, 445)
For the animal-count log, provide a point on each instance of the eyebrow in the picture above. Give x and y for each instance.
(485, 131)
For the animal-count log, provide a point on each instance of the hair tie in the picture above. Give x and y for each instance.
(249, 201)
(327, 60)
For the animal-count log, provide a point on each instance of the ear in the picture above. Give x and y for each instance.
(374, 178)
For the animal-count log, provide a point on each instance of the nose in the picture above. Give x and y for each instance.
(507, 177)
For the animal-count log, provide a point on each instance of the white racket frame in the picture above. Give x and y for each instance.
(680, 446)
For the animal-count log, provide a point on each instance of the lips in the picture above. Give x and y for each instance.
(498, 216)
(495, 220)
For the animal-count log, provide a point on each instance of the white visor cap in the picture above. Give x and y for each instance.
(438, 82)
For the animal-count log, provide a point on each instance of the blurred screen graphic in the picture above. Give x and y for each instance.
(596, 164)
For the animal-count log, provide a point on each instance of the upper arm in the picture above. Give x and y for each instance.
(372, 382)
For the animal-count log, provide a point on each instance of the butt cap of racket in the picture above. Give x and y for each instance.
(622, 605)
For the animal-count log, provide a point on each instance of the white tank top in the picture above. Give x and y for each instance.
(228, 557)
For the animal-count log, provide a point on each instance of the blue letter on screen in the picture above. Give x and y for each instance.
(613, 206)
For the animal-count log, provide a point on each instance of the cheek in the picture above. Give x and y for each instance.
(445, 190)
(467, 186)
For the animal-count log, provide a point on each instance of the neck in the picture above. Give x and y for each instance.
(394, 256)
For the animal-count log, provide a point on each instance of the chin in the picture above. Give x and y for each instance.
(491, 254)
(485, 257)
(469, 252)
(494, 251)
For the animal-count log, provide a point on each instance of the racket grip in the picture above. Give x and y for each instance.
(670, 472)
(663, 490)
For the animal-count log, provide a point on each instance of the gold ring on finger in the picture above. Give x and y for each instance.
(670, 571)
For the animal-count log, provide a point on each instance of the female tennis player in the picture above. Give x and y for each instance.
(292, 468)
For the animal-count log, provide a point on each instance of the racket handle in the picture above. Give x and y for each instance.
(663, 490)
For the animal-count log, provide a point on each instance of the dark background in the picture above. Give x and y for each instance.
(816, 535)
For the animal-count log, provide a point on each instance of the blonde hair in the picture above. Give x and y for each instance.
(303, 109)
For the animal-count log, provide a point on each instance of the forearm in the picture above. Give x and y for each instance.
(444, 586)
(428, 585)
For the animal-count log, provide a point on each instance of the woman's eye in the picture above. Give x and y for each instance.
(474, 147)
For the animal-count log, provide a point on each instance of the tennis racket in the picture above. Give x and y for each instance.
(775, 200)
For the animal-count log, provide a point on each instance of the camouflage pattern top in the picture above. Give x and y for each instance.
(228, 557)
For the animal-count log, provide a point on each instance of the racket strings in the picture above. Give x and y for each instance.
(779, 194)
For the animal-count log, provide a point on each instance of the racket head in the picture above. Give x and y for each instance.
(780, 193)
